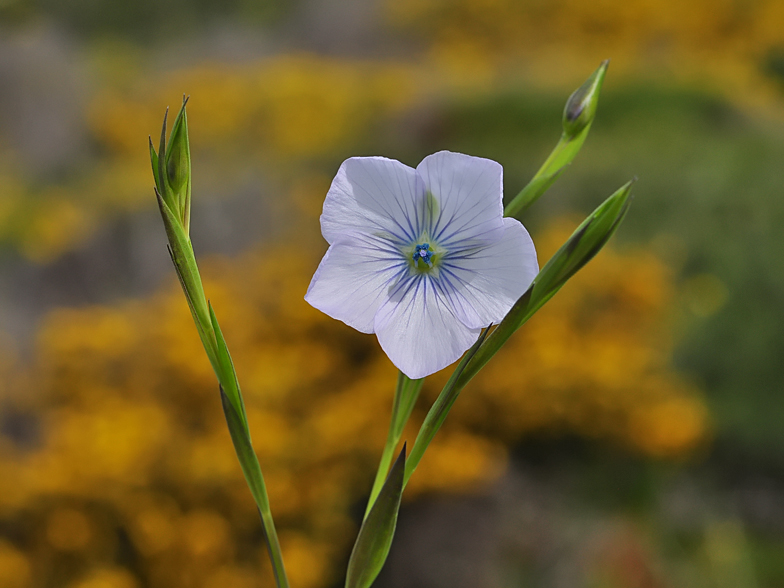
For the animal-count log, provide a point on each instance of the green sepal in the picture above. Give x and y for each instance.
(440, 409)
(228, 375)
(586, 241)
(178, 165)
(163, 189)
(375, 536)
(578, 116)
(154, 162)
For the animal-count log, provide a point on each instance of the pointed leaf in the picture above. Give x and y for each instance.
(375, 537)
(154, 162)
(163, 189)
(188, 272)
(228, 376)
(586, 241)
(247, 456)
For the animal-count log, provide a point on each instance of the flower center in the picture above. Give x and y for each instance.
(423, 253)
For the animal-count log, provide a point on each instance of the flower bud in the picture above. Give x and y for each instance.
(586, 241)
(581, 106)
(178, 165)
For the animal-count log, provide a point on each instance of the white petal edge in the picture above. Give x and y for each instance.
(483, 283)
(469, 193)
(353, 279)
(373, 195)
(418, 331)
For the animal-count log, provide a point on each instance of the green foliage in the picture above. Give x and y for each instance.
(172, 173)
(378, 529)
(586, 241)
(708, 202)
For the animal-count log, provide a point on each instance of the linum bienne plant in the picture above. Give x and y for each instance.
(425, 258)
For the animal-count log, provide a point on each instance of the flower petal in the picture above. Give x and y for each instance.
(482, 283)
(373, 195)
(417, 329)
(353, 279)
(467, 198)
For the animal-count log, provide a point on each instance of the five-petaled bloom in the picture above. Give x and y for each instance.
(421, 257)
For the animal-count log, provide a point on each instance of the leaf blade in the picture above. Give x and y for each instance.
(375, 536)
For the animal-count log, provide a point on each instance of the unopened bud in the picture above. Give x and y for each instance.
(178, 161)
(581, 106)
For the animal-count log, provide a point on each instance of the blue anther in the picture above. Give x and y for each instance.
(423, 252)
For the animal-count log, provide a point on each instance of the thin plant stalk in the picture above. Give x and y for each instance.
(406, 394)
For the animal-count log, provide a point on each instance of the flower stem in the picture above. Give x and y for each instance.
(406, 394)
(437, 413)
(174, 206)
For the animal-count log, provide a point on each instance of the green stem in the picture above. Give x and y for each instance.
(240, 437)
(273, 547)
(175, 212)
(406, 394)
(437, 413)
(561, 156)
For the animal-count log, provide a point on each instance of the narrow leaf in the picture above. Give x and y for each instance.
(154, 162)
(247, 456)
(375, 536)
(228, 376)
(586, 241)
(204, 335)
(185, 262)
(163, 188)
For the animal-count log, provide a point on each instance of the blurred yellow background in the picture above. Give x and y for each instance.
(628, 436)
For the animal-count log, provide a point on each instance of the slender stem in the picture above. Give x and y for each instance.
(175, 212)
(437, 413)
(406, 394)
(541, 181)
(273, 548)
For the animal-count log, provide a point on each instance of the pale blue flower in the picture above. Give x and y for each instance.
(421, 257)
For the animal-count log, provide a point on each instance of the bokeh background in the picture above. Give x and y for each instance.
(630, 436)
